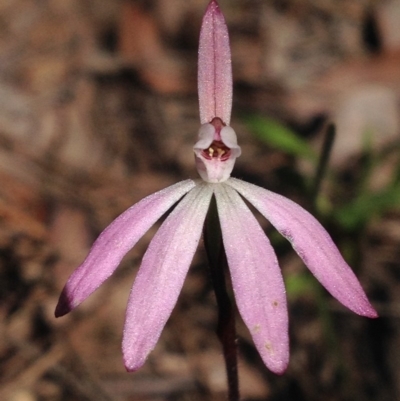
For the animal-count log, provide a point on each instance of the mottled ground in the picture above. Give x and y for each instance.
(98, 108)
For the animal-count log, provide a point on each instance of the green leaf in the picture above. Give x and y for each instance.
(299, 284)
(361, 210)
(280, 137)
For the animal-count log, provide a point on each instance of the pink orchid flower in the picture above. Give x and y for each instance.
(256, 277)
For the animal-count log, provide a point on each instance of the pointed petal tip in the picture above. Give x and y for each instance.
(279, 371)
(213, 10)
(132, 368)
(278, 367)
(64, 305)
(213, 6)
(369, 312)
(59, 312)
(277, 358)
(361, 306)
(132, 365)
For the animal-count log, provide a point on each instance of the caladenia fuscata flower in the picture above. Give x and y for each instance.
(256, 277)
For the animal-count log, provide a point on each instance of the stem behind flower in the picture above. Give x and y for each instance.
(226, 317)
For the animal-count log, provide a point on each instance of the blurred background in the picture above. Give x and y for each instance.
(98, 108)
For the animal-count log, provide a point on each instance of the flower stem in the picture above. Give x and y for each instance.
(226, 330)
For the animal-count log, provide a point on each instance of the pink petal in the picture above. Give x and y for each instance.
(256, 278)
(229, 138)
(161, 275)
(312, 243)
(114, 242)
(215, 70)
